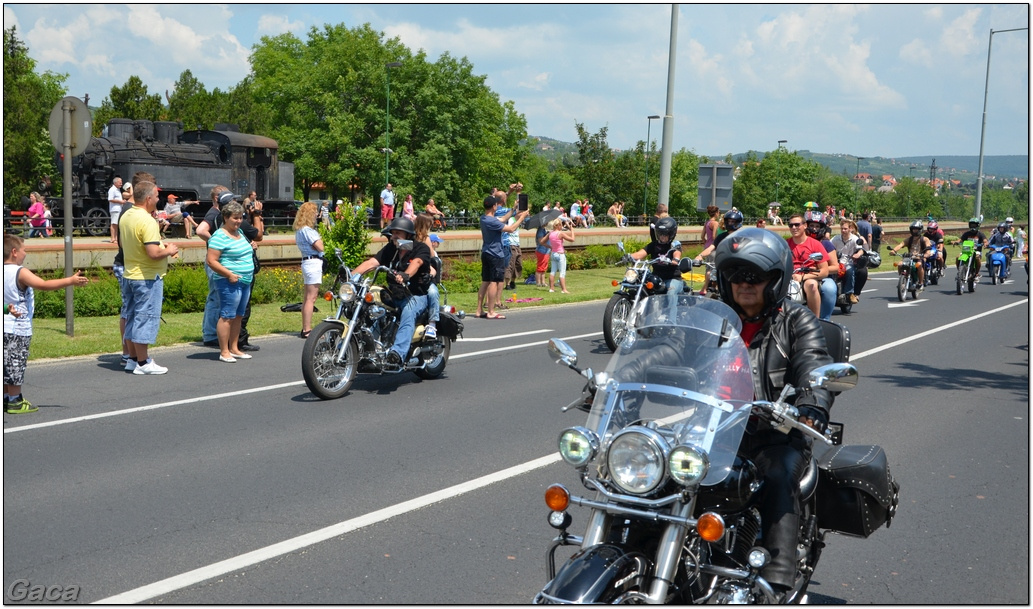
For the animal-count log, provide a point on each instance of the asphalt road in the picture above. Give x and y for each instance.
(221, 483)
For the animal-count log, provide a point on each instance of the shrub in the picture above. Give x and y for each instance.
(347, 232)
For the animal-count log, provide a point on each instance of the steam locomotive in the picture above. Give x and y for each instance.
(185, 163)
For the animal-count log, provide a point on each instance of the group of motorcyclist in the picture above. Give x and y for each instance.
(929, 245)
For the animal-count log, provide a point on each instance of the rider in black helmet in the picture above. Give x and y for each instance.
(920, 247)
(976, 235)
(410, 259)
(786, 342)
(665, 244)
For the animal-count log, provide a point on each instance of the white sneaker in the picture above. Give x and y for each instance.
(150, 368)
(431, 331)
(131, 365)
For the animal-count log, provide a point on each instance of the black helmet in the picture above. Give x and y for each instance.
(1002, 227)
(916, 227)
(733, 220)
(667, 227)
(402, 224)
(973, 222)
(761, 251)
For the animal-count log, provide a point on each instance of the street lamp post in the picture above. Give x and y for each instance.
(645, 181)
(778, 168)
(387, 121)
(982, 131)
(910, 187)
(857, 178)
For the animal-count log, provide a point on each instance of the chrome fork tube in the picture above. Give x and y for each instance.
(342, 347)
(598, 527)
(668, 553)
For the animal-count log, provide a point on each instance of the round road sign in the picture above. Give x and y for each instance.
(82, 125)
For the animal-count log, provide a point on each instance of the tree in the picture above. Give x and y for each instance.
(28, 100)
(131, 101)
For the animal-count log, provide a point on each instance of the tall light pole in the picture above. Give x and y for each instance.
(857, 178)
(645, 182)
(910, 187)
(387, 122)
(982, 131)
(778, 168)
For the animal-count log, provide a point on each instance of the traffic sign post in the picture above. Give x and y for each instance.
(71, 127)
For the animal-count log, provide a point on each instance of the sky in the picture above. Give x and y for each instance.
(864, 80)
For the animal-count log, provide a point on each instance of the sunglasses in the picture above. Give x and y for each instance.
(795, 224)
(746, 275)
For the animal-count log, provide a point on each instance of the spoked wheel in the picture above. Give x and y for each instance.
(615, 321)
(971, 278)
(960, 281)
(325, 377)
(436, 367)
(97, 222)
(902, 288)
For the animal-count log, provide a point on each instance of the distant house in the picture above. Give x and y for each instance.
(863, 177)
(889, 180)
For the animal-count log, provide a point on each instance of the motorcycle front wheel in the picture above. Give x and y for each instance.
(993, 275)
(436, 367)
(325, 377)
(615, 320)
(902, 288)
(960, 280)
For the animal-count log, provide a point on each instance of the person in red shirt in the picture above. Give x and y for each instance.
(812, 272)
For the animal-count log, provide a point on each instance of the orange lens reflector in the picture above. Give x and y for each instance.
(614, 282)
(328, 296)
(649, 285)
(557, 498)
(710, 527)
(368, 298)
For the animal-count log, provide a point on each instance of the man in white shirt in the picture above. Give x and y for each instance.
(387, 206)
(115, 206)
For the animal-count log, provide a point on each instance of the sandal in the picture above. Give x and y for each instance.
(497, 316)
(305, 334)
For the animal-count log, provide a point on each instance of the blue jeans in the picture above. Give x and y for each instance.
(827, 287)
(407, 324)
(233, 297)
(434, 303)
(143, 310)
(211, 307)
(848, 279)
(674, 288)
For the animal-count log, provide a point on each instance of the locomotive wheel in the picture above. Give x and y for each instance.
(324, 377)
(97, 222)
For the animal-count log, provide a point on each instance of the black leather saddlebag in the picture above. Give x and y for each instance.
(856, 492)
(449, 325)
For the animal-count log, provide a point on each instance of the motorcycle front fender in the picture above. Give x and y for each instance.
(599, 574)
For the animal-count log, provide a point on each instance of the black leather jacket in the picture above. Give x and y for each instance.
(786, 349)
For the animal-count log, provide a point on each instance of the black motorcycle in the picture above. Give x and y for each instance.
(672, 506)
(357, 338)
(638, 282)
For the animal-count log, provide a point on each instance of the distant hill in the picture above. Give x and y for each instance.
(1000, 167)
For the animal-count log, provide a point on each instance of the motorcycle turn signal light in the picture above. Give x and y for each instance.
(649, 285)
(557, 498)
(615, 283)
(710, 526)
(328, 296)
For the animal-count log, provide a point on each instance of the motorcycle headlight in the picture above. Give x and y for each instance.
(578, 446)
(347, 292)
(636, 460)
(688, 465)
(631, 276)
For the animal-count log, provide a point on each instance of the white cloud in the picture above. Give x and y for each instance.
(916, 52)
(275, 25)
(958, 38)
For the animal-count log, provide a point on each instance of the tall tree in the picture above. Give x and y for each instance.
(131, 101)
(28, 100)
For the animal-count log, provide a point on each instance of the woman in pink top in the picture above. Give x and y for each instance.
(558, 257)
(407, 209)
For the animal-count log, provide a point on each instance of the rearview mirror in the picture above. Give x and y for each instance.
(561, 352)
(834, 377)
(685, 265)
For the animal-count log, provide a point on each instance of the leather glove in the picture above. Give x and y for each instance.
(819, 418)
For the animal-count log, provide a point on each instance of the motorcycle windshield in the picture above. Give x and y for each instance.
(683, 372)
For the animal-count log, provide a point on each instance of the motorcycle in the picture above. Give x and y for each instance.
(908, 280)
(997, 263)
(359, 335)
(638, 282)
(966, 272)
(933, 271)
(672, 506)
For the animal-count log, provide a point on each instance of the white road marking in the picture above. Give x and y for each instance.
(503, 336)
(908, 303)
(219, 396)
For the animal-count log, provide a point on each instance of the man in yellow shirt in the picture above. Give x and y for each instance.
(146, 263)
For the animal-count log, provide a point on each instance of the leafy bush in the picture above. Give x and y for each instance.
(347, 232)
